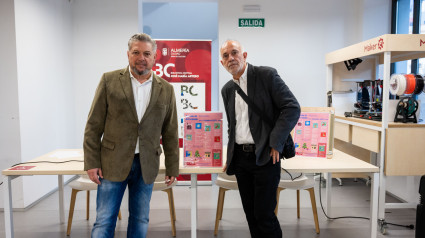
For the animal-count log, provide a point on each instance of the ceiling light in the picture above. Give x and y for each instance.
(251, 8)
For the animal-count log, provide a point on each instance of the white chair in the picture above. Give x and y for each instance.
(226, 182)
(301, 182)
(160, 185)
(83, 183)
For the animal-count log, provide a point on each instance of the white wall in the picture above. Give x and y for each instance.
(101, 29)
(295, 39)
(10, 145)
(45, 88)
(38, 90)
(376, 18)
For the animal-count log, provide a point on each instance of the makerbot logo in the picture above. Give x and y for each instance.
(380, 44)
(370, 46)
(421, 42)
(164, 51)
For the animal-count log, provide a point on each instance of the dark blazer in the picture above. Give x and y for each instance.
(113, 129)
(269, 93)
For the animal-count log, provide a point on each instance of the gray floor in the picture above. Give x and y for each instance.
(351, 199)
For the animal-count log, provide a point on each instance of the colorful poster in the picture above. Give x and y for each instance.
(203, 139)
(311, 134)
(187, 65)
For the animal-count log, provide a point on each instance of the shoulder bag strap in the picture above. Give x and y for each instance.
(253, 106)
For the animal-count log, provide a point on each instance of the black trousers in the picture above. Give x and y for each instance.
(257, 188)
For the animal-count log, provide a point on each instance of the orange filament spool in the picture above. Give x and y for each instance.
(410, 83)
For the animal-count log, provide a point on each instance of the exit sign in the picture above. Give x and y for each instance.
(251, 22)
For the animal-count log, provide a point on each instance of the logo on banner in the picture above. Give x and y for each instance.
(180, 50)
(187, 89)
(421, 42)
(164, 51)
(161, 70)
(186, 104)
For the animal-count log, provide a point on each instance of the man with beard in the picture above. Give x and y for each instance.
(131, 111)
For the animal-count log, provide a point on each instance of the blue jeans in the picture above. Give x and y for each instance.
(109, 197)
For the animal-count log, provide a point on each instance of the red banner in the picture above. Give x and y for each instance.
(185, 61)
(186, 64)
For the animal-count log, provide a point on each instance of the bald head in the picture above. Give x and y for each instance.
(233, 58)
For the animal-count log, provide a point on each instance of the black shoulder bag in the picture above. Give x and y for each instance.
(289, 147)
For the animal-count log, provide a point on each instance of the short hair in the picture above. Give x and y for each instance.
(144, 38)
(242, 49)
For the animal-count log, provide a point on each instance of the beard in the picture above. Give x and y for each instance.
(234, 69)
(140, 73)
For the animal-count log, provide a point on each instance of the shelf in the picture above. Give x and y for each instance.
(342, 92)
(402, 47)
(379, 124)
(354, 80)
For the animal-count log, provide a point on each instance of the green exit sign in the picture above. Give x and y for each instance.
(251, 22)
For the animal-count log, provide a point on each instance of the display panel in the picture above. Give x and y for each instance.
(311, 134)
(203, 139)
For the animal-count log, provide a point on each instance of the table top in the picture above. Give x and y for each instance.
(76, 166)
(340, 162)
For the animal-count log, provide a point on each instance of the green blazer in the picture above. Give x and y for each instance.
(113, 129)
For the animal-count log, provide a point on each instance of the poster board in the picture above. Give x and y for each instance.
(186, 64)
(313, 133)
(203, 139)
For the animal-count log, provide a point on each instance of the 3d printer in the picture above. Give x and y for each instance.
(368, 100)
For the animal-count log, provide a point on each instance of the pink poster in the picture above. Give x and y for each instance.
(311, 134)
(203, 139)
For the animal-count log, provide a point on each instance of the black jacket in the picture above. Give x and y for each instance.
(269, 93)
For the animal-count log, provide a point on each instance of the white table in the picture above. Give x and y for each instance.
(341, 162)
(70, 168)
(77, 168)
